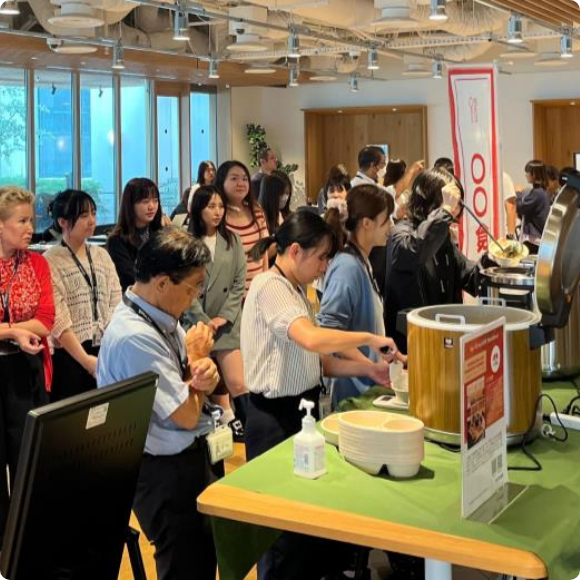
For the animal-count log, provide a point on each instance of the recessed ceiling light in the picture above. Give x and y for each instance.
(247, 43)
(516, 53)
(395, 109)
(323, 78)
(75, 48)
(33, 58)
(573, 103)
(260, 70)
(76, 15)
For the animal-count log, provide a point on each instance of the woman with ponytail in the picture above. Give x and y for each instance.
(286, 354)
(351, 299)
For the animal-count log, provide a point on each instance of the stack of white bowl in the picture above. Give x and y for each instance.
(371, 439)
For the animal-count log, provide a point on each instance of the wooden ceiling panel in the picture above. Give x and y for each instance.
(554, 12)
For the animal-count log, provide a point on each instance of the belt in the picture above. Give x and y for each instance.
(8, 347)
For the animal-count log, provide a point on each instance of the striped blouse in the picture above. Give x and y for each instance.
(250, 234)
(274, 365)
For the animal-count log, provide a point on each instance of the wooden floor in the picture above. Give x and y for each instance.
(237, 459)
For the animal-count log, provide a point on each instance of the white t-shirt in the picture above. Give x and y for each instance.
(210, 242)
(274, 365)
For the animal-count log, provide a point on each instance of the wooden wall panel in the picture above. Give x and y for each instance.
(333, 138)
(556, 132)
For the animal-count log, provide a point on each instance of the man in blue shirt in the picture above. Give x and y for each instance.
(145, 335)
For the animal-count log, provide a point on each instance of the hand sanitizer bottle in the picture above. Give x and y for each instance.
(309, 458)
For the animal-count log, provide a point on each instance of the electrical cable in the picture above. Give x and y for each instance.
(570, 407)
(550, 433)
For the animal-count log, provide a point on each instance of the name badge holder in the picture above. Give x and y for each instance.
(220, 441)
(324, 402)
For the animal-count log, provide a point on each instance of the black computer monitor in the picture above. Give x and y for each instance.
(75, 482)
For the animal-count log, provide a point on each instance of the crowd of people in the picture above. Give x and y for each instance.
(234, 276)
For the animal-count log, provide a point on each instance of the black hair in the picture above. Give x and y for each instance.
(272, 188)
(336, 183)
(565, 172)
(136, 190)
(200, 201)
(170, 252)
(552, 173)
(370, 155)
(263, 153)
(69, 205)
(395, 170)
(426, 193)
(537, 170)
(366, 201)
(445, 163)
(220, 178)
(305, 228)
(285, 211)
(201, 171)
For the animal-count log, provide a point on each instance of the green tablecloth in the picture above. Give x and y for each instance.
(545, 519)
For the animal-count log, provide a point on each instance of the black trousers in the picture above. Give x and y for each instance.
(69, 377)
(165, 504)
(22, 388)
(293, 556)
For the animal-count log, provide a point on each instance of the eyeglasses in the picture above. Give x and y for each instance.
(196, 290)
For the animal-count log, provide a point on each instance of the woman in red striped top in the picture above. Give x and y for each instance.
(26, 304)
(244, 216)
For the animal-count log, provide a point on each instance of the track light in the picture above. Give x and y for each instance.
(9, 8)
(566, 46)
(213, 69)
(293, 77)
(180, 30)
(353, 83)
(293, 45)
(118, 57)
(373, 59)
(515, 27)
(438, 11)
(437, 68)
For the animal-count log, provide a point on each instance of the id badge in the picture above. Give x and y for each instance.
(220, 443)
(96, 335)
(324, 404)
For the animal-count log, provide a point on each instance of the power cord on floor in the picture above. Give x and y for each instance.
(546, 432)
(570, 408)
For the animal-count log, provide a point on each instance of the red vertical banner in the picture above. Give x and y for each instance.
(474, 126)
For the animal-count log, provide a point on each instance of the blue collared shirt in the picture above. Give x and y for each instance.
(132, 346)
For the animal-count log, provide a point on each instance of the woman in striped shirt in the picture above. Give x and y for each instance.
(244, 216)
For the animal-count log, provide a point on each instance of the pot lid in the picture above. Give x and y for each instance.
(517, 276)
(558, 266)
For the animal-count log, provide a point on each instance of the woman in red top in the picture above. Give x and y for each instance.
(26, 304)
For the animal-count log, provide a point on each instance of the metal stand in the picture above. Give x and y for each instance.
(135, 557)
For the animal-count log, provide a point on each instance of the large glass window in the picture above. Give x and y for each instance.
(134, 128)
(203, 129)
(168, 152)
(53, 139)
(13, 129)
(98, 144)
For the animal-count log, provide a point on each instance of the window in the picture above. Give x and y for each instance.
(134, 128)
(13, 129)
(53, 139)
(98, 144)
(203, 129)
(168, 152)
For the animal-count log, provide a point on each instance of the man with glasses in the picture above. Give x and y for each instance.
(268, 163)
(145, 335)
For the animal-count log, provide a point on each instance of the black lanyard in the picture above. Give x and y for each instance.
(5, 296)
(354, 251)
(90, 280)
(183, 365)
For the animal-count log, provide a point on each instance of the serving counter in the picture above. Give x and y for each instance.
(539, 534)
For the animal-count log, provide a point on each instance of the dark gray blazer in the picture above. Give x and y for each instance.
(223, 290)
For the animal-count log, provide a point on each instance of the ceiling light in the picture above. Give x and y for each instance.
(566, 46)
(373, 59)
(519, 52)
(260, 70)
(437, 69)
(353, 83)
(9, 8)
(74, 48)
(293, 45)
(118, 57)
(515, 29)
(438, 11)
(213, 69)
(293, 82)
(77, 14)
(247, 43)
(180, 31)
(323, 78)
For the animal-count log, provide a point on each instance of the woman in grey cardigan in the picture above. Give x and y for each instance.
(220, 303)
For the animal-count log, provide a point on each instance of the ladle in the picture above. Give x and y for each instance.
(485, 229)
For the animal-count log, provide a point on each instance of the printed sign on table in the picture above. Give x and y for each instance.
(483, 415)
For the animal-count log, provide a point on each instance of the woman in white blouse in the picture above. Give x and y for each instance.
(86, 291)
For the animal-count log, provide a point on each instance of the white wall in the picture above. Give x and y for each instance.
(279, 111)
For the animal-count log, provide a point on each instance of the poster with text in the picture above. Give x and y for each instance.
(474, 126)
(483, 415)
